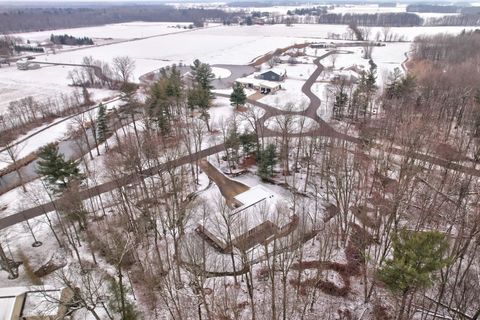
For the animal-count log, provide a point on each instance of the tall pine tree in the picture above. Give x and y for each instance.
(416, 258)
(102, 124)
(202, 75)
(57, 171)
(238, 96)
(200, 94)
(267, 161)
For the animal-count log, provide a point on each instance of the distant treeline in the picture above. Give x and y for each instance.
(372, 20)
(70, 40)
(432, 8)
(315, 11)
(455, 20)
(35, 19)
(250, 4)
(28, 48)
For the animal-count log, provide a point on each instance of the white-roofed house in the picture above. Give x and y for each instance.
(256, 219)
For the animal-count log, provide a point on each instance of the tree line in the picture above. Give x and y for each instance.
(36, 19)
(455, 20)
(70, 40)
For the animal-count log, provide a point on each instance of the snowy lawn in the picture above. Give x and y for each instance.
(290, 97)
(41, 84)
(221, 72)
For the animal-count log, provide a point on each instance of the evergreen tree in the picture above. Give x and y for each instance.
(267, 161)
(57, 171)
(363, 95)
(399, 85)
(416, 258)
(340, 103)
(202, 75)
(248, 142)
(232, 143)
(127, 310)
(394, 80)
(201, 93)
(158, 106)
(198, 97)
(164, 98)
(238, 96)
(102, 123)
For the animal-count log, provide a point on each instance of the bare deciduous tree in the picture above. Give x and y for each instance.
(123, 67)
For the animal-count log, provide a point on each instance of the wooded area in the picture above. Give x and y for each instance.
(36, 19)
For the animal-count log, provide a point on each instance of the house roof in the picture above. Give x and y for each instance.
(253, 196)
(41, 303)
(279, 71)
(35, 301)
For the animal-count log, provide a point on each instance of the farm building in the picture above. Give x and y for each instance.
(275, 74)
(263, 86)
(33, 303)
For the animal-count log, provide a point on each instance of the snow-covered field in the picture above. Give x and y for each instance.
(41, 84)
(122, 31)
(220, 44)
(215, 45)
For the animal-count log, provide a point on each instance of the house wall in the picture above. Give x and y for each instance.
(17, 309)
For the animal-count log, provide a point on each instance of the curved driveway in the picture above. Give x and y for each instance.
(324, 130)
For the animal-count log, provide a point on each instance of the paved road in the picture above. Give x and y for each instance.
(324, 130)
(237, 71)
(108, 186)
